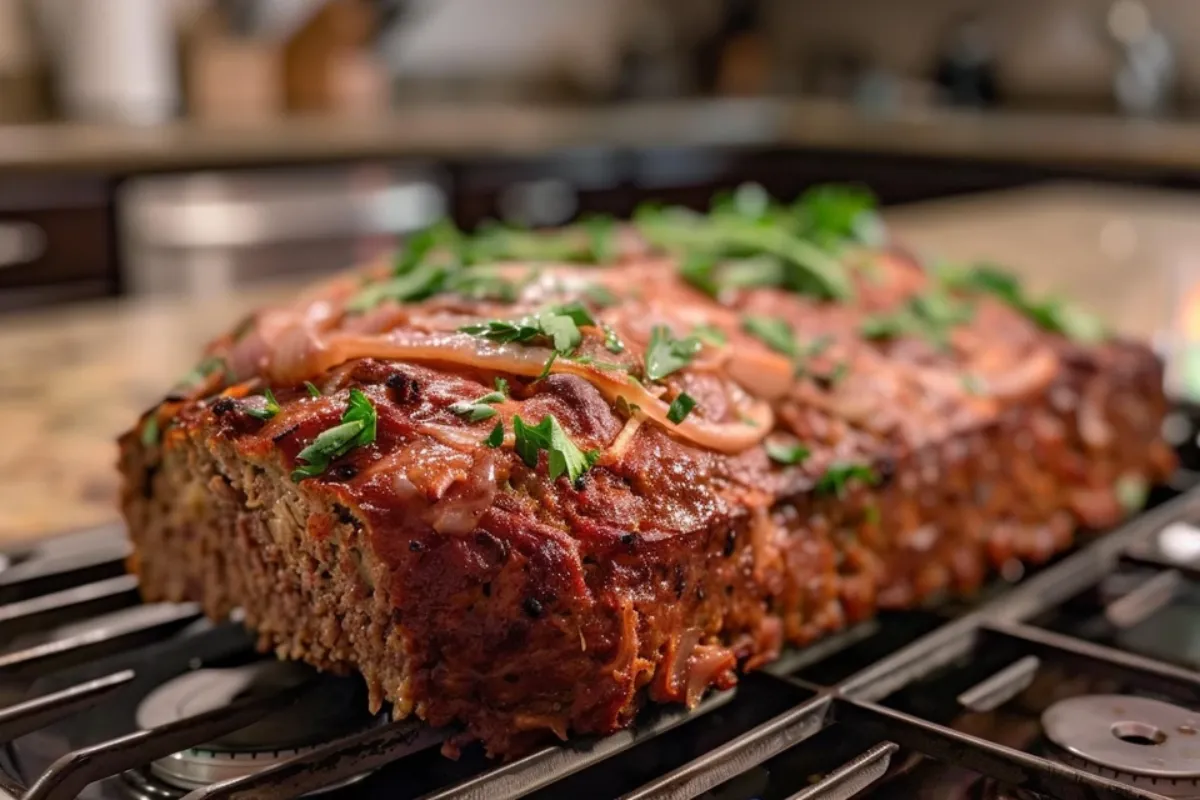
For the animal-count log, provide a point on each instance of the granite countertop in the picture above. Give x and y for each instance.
(71, 380)
(473, 129)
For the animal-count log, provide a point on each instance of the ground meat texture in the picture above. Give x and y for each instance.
(470, 589)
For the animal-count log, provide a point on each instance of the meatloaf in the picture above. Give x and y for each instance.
(525, 482)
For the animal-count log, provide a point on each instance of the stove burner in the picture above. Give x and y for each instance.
(334, 707)
(1146, 743)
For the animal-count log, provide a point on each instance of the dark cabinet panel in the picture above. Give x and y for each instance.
(56, 242)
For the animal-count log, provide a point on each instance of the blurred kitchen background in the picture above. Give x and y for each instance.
(167, 164)
(187, 146)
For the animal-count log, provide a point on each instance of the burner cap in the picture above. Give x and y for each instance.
(334, 708)
(1143, 742)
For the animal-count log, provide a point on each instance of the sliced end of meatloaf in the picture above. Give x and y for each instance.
(471, 584)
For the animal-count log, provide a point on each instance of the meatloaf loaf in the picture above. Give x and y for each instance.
(525, 482)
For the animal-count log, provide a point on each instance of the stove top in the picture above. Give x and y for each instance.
(1082, 680)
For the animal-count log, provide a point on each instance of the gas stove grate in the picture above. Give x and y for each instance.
(69, 582)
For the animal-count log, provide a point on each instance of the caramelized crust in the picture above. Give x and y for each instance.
(469, 588)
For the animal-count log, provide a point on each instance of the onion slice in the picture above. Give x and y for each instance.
(458, 348)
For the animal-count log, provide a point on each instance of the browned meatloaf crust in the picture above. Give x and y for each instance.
(469, 588)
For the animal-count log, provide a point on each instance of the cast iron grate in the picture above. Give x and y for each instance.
(866, 694)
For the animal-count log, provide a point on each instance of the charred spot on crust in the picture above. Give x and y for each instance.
(343, 472)
(148, 480)
(279, 437)
(415, 546)
(628, 539)
(885, 471)
(730, 543)
(680, 581)
(344, 515)
(223, 406)
(533, 607)
(403, 389)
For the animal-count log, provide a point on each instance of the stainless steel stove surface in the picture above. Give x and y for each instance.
(1082, 681)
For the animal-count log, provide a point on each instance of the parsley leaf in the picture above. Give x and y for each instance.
(774, 332)
(932, 314)
(558, 325)
(602, 238)
(479, 409)
(200, 374)
(546, 367)
(1052, 314)
(564, 457)
(612, 342)
(479, 283)
(578, 313)
(808, 269)
(681, 406)
(313, 391)
(267, 411)
(421, 282)
(501, 386)
(667, 354)
(832, 214)
(710, 334)
(604, 365)
(699, 269)
(357, 429)
(600, 295)
(838, 476)
(788, 454)
(496, 437)
(150, 430)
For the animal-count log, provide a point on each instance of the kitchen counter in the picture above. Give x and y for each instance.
(71, 380)
(464, 130)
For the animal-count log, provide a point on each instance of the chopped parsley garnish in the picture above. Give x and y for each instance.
(312, 389)
(1052, 314)
(774, 332)
(270, 409)
(421, 282)
(973, 384)
(681, 406)
(667, 354)
(564, 457)
(558, 325)
(838, 476)
(789, 454)
(479, 283)
(150, 431)
(612, 342)
(578, 313)
(705, 242)
(527, 329)
(604, 365)
(200, 373)
(1131, 491)
(836, 375)
(546, 367)
(496, 437)
(931, 315)
(601, 231)
(600, 295)
(481, 408)
(590, 242)
(501, 386)
(710, 334)
(832, 214)
(357, 429)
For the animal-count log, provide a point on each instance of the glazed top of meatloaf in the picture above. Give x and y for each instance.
(711, 364)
